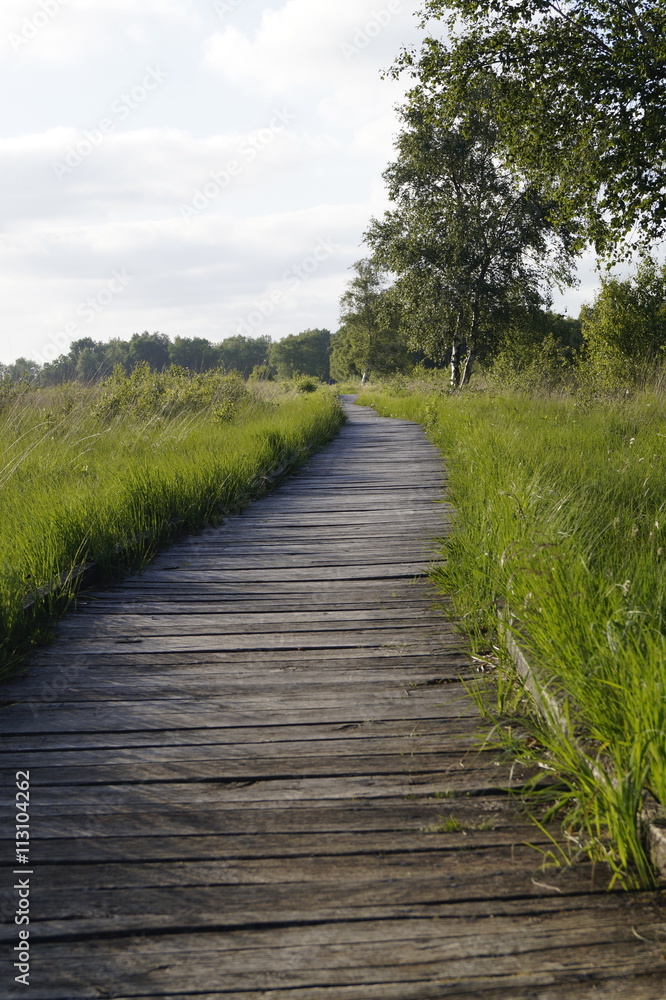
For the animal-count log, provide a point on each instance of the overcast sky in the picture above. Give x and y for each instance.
(193, 167)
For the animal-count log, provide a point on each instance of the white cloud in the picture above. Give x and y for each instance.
(66, 174)
(305, 44)
(204, 278)
(62, 31)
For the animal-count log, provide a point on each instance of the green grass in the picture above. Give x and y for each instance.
(107, 474)
(561, 520)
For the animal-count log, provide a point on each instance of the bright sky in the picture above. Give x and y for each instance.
(193, 167)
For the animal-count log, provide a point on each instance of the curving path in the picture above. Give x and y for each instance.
(255, 773)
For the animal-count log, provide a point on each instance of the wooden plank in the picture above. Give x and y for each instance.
(498, 832)
(403, 814)
(613, 987)
(221, 624)
(225, 768)
(459, 748)
(447, 734)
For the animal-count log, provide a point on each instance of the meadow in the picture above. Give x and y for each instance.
(560, 526)
(106, 474)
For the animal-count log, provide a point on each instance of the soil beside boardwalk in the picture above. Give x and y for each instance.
(244, 760)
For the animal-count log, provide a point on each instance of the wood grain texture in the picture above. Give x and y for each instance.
(256, 773)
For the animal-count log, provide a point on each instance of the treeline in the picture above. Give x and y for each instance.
(89, 361)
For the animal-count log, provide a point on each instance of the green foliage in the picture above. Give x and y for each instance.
(151, 349)
(371, 339)
(305, 353)
(560, 519)
(243, 354)
(470, 245)
(146, 393)
(625, 329)
(580, 102)
(305, 383)
(78, 482)
(196, 354)
(261, 373)
(539, 354)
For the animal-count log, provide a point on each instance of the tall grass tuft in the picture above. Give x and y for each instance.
(107, 474)
(561, 521)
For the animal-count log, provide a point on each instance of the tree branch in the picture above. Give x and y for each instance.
(630, 8)
(579, 27)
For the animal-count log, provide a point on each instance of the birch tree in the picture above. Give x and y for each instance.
(467, 241)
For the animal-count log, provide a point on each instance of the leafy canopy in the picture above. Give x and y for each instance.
(581, 102)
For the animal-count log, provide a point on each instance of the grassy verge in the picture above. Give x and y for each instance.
(561, 520)
(107, 474)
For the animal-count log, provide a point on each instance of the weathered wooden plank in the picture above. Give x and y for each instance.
(449, 868)
(613, 987)
(296, 904)
(498, 830)
(318, 574)
(403, 814)
(446, 747)
(416, 638)
(228, 768)
(93, 911)
(411, 670)
(130, 656)
(270, 788)
(188, 965)
(272, 732)
(221, 624)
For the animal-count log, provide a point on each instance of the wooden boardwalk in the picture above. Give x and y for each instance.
(255, 774)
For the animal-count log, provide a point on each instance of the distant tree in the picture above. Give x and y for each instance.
(195, 353)
(371, 337)
(153, 348)
(116, 352)
(242, 354)
(90, 365)
(22, 368)
(305, 353)
(61, 369)
(77, 346)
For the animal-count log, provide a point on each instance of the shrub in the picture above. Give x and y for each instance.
(305, 383)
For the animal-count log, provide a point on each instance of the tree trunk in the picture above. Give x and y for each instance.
(364, 377)
(455, 361)
(455, 365)
(467, 369)
(471, 341)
